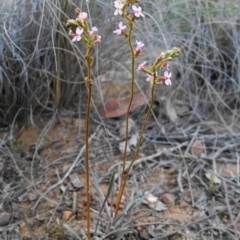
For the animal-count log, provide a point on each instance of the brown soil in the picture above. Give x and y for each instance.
(44, 158)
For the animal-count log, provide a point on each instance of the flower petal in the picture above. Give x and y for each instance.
(79, 31)
(134, 8)
(166, 74)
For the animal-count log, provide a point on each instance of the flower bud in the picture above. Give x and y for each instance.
(72, 23)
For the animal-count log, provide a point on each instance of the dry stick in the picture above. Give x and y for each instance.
(179, 179)
(189, 179)
(185, 165)
(150, 157)
(137, 150)
(228, 206)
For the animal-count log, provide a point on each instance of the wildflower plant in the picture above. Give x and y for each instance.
(90, 38)
(129, 10)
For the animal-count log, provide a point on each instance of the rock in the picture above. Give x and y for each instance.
(5, 219)
(66, 215)
(198, 147)
(172, 170)
(183, 204)
(168, 198)
(172, 181)
(151, 199)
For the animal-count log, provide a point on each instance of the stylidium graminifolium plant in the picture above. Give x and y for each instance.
(129, 10)
(90, 38)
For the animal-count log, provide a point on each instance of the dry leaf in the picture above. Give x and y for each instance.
(66, 120)
(171, 112)
(132, 142)
(112, 90)
(228, 170)
(183, 204)
(121, 147)
(118, 106)
(134, 139)
(198, 147)
(79, 122)
(32, 197)
(66, 167)
(212, 177)
(75, 180)
(131, 127)
(159, 206)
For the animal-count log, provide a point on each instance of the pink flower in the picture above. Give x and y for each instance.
(167, 76)
(83, 16)
(94, 29)
(118, 5)
(150, 78)
(139, 46)
(77, 35)
(166, 64)
(121, 28)
(141, 66)
(98, 38)
(137, 11)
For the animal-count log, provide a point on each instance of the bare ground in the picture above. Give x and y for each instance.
(188, 180)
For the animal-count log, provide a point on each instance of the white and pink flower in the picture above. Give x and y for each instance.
(98, 38)
(137, 11)
(78, 35)
(166, 65)
(83, 16)
(121, 28)
(150, 78)
(139, 46)
(94, 29)
(167, 76)
(141, 66)
(118, 5)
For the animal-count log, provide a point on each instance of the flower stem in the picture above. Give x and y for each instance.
(127, 118)
(89, 89)
(123, 183)
(87, 160)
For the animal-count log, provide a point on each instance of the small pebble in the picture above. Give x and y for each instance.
(66, 215)
(183, 204)
(168, 198)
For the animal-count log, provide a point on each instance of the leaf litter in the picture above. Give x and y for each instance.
(159, 171)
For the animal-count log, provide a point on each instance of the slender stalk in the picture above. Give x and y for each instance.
(89, 89)
(123, 185)
(130, 102)
(127, 116)
(87, 160)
